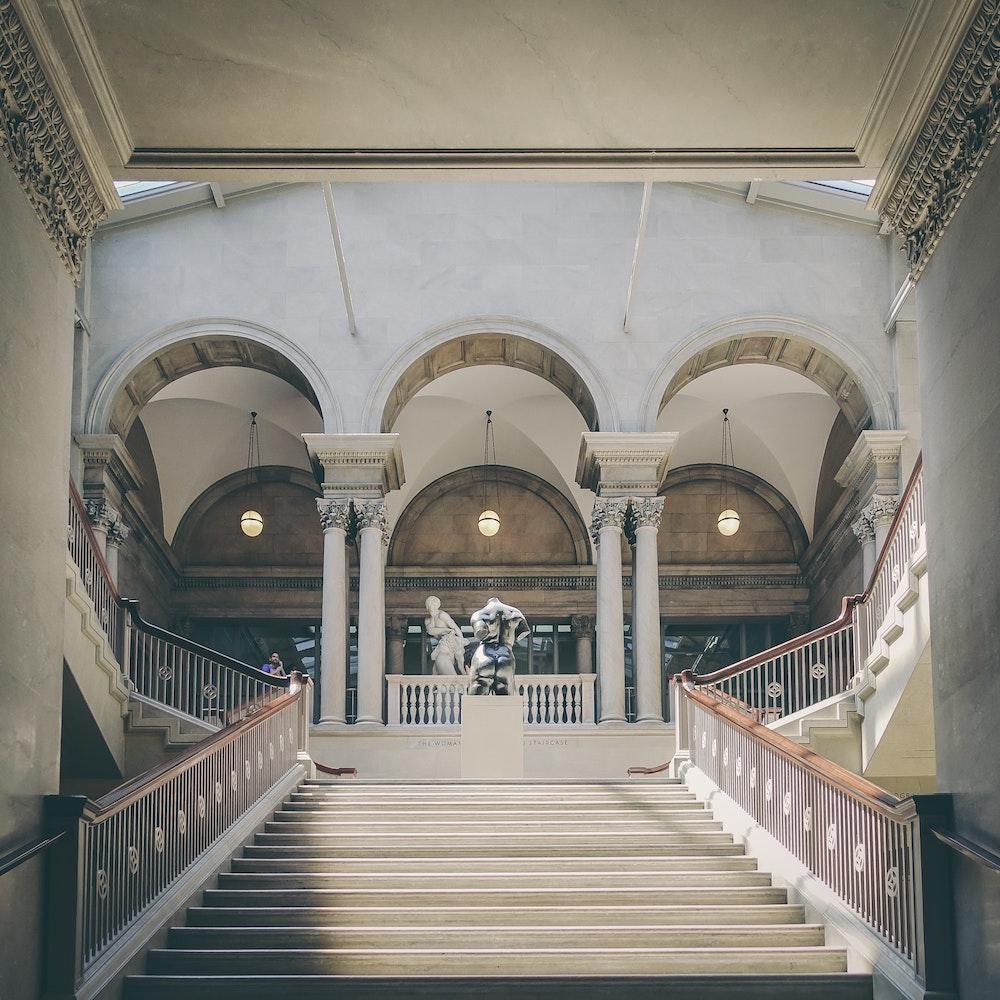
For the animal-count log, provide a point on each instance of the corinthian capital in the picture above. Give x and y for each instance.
(371, 514)
(102, 515)
(608, 513)
(647, 511)
(881, 510)
(863, 530)
(334, 513)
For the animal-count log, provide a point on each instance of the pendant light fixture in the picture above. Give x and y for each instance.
(489, 520)
(251, 521)
(729, 519)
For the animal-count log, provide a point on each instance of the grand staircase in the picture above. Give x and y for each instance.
(495, 890)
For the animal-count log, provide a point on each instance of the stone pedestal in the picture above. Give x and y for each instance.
(492, 736)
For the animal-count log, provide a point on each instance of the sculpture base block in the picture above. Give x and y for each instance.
(492, 736)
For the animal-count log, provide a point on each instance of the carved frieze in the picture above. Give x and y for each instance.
(953, 143)
(38, 144)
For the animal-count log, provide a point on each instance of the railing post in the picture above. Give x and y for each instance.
(64, 897)
(587, 684)
(679, 709)
(303, 683)
(934, 906)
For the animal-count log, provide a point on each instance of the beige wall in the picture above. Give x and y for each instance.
(36, 365)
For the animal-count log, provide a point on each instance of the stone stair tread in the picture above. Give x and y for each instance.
(662, 914)
(351, 961)
(435, 897)
(482, 882)
(511, 867)
(600, 890)
(522, 936)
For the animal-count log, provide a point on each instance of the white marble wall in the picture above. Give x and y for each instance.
(420, 257)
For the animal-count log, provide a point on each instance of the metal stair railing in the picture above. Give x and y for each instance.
(880, 854)
(808, 669)
(119, 854)
(169, 669)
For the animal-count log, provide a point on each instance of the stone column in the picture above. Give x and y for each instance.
(647, 644)
(871, 469)
(880, 512)
(865, 534)
(358, 470)
(117, 533)
(373, 539)
(109, 475)
(334, 516)
(622, 469)
(608, 521)
(398, 631)
(583, 632)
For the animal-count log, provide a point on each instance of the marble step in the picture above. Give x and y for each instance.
(522, 938)
(534, 843)
(466, 809)
(797, 986)
(479, 882)
(513, 896)
(571, 824)
(276, 860)
(495, 961)
(540, 914)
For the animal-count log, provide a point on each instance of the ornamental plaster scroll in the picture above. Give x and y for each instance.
(334, 514)
(608, 513)
(647, 511)
(953, 143)
(39, 146)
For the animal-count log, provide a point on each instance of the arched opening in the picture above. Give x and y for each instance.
(487, 348)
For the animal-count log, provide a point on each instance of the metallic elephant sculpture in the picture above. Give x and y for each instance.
(497, 627)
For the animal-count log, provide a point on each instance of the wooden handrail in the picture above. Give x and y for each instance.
(351, 772)
(125, 794)
(132, 608)
(847, 608)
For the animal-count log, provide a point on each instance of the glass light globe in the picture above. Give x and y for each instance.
(729, 522)
(251, 523)
(489, 523)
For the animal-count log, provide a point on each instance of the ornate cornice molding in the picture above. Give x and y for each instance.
(38, 143)
(952, 145)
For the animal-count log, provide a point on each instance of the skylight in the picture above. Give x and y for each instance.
(133, 189)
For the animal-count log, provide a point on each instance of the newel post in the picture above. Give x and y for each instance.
(303, 683)
(64, 893)
(934, 903)
(679, 715)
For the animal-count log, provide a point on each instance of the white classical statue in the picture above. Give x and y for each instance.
(448, 655)
(497, 627)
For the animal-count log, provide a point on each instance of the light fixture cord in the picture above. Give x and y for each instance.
(254, 445)
(727, 451)
(488, 443)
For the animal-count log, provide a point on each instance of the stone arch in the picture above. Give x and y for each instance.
(146, 367)
(490, 341)
(540, 525)
(802, 347)
(782, 516)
